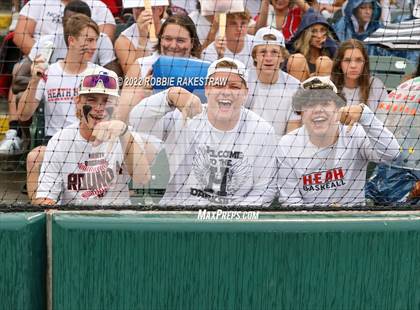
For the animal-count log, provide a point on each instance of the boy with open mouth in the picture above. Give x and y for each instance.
(324, 162)
(219, 153)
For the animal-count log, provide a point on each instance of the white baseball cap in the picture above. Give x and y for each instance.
(261, 33)
(98, 80)
(319, 82)
(140, 3)
(315, 90)
(239, 70)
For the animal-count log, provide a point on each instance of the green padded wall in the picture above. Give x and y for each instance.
(22, 261)
(282, 261)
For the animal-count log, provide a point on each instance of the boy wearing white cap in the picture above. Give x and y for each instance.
(219, 153)
(271, 90)
(57, 85)
(134, 42)
(324, 162)
(90, 162)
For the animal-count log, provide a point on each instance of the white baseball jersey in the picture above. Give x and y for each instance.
(309, 175)
(76, 172)
(48, 15)
(273, 102)
(207, 165)
(58, 92)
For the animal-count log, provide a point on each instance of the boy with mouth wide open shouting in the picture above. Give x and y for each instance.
(220, 152)
(324, 162)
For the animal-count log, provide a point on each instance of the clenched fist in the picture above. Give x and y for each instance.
(108, 131)
(349, 115)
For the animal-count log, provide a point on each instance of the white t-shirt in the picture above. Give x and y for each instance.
(76, 172)
(309, 175)
(104, 53)
(207, 165)
(377, 94)
(245, 55)
(273, 102)
(132, 34)
(202, 25)
(48, 15)
(59, 91)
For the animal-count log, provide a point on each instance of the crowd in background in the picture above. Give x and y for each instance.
(293, 121)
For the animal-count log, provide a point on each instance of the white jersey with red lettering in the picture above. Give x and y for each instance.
(76, 172)
(58, 91)
(208, 165)
(334, 175)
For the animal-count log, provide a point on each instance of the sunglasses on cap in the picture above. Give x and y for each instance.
(93, 80)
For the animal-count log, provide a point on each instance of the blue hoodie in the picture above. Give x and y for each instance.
(311, 18)
(345, 28)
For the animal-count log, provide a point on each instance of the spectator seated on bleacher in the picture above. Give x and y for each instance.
(237, 43)
(312, 47)
(104, 55)
(397, 39)
(134, 42)
(271, 89)
(177, 38)
(361, 18)
(57, 86)
(208, 25)
(283, 15)
(38, 18)
(351, 75)
(399, 182)
(91, 161)
(43, 17)
(219, 153)
(324, 162)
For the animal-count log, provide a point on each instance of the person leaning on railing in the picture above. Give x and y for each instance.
(324, 162)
